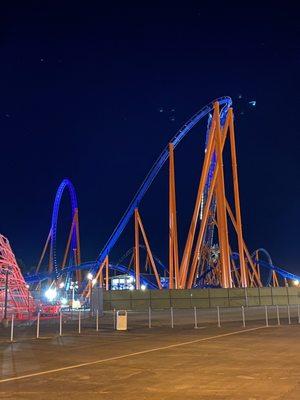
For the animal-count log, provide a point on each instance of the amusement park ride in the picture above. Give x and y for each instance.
(208, 259)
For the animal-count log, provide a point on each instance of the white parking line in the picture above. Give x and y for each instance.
(171, 346)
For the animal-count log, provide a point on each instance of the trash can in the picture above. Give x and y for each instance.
(122, 320)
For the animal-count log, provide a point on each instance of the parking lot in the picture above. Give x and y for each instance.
(211, 362)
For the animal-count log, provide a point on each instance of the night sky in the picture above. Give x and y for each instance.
(94, 93)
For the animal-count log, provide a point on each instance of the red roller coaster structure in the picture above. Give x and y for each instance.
(15, 297)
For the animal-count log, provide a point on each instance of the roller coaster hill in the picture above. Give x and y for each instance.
(208, 258)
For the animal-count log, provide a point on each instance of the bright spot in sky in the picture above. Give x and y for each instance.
(252, 103)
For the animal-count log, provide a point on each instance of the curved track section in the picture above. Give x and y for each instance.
(40, 277)
(267, 254)
(65, 184)
(225, 103)
(131, 251)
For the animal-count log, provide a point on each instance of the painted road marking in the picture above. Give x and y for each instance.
(104, 360)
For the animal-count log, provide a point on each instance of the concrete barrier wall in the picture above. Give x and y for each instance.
(200, 298)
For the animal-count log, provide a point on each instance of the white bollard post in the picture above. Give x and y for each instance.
(219, 318)
(246, 297)
(243, 317)
(149, 318)
(266, 314)
(172, 318)
(12, 328)
(97, 320)
(278, 316)
(195, 318)
(289, 314)
(38, 325)
(60, 323)
(79, 322)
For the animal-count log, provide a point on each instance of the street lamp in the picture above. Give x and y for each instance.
(73, 286)
(5, 321)
(28, 300)
(90, 279)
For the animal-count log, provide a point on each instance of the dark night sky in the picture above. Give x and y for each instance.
(81, 91)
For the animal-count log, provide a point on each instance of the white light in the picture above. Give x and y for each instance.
(76, 304)
(94, 281)
(50, 294)
(63, 301)
(131, 279)
(131, 287)
(143, 287)
(296, 282)
(90, 276)
(61, 285)
(27, 286)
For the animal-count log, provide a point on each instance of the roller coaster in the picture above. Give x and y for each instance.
(208, 259)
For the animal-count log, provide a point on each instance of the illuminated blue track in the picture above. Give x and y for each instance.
(225, 103)
(144, 279)
(40, 277)
(66, 183)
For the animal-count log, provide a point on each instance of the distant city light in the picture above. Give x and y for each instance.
(296, 282)
(131, 287)
(90, 276)
(94, 281)
(51, 294)
(61, 285)
(64, 301)
(143, 287)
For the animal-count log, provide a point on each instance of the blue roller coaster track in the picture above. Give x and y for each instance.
(65, 184)
(225, 102)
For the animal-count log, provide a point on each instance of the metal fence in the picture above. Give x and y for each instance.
(81, 322)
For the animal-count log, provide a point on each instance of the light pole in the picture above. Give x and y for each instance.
(5, 320)
(28, 299)
(73, 286)
(90, 279)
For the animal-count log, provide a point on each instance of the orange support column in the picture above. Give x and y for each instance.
(231, 216)
(184, 266)
(203, 226)
(43, 252)
(173, 239)
(101, 279)
(149, 252)
(221, 206)
(244, 276)
(106, 273)
(136, 250)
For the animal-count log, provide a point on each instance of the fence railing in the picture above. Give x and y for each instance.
(83, 321)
